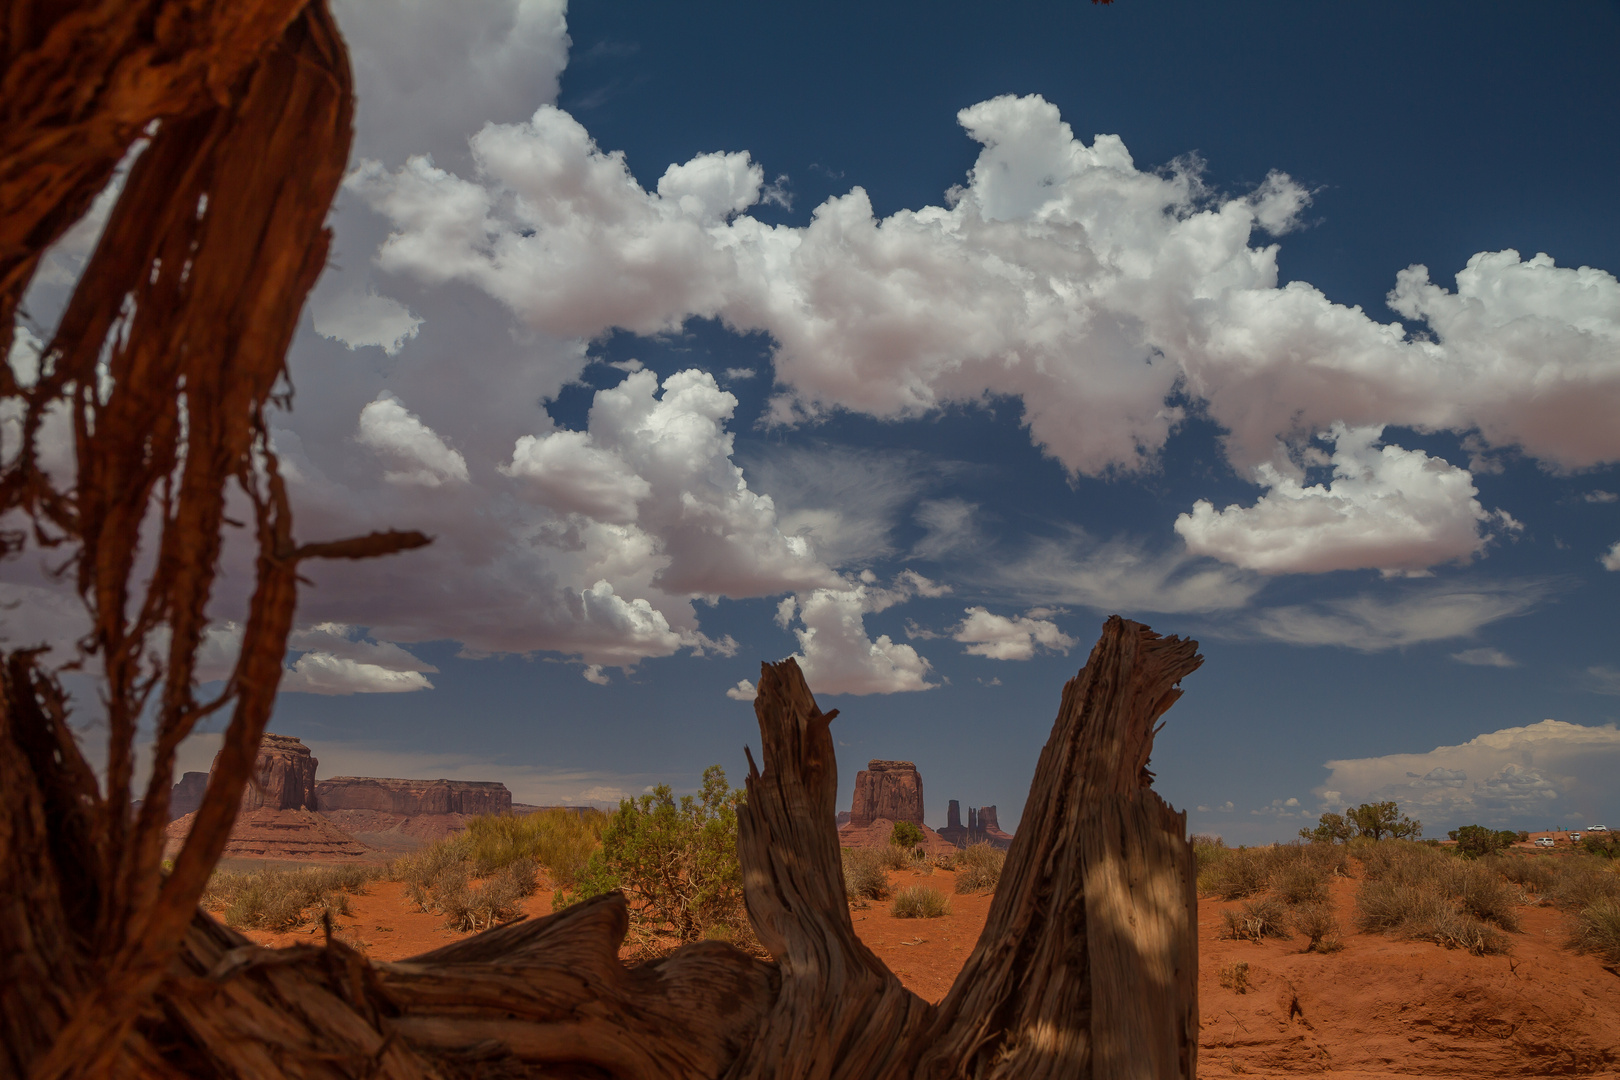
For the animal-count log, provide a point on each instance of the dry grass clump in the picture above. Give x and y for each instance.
(1422, 893)
(1258, 920)
(1240, 873)
(1530, 873)
(1207, 850)
(1235, 977)
(1300, 883)
(285, 899)
(920, 902)
(866, 873)
(978, 868)
(1319, 925)
(1595, 928)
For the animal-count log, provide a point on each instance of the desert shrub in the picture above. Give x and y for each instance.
(557, 839)
(894, 858)
(905, 834)
(1581, 881)
(1257, 920)
(1476, 841)
(1235, 977)
(1596, 929)
(1425, 912)
(920, 902)
(471, 908)
(1528, 872)
(285, 899)
(866, 876)
(1244, 872)
(1300, 882)
(676, 862)
(1320, 926)
(978, 868)
(1207, 850)
(1604, 846)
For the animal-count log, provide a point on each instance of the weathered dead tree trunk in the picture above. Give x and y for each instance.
(1086, 968)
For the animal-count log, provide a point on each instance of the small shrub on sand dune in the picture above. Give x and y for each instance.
(1257, 920)
(920, 902)
(1320, 925)
(1581, 882)
(978, 868)
(894, 858)
(866, 874)
(285, 899)
(905, 834)
(1535, 875)
(559, 840)
(1596, 929)
(497, 900)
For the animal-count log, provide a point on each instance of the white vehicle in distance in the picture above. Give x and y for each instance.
(1575, 837)
(1597, 828)
(1544, 841)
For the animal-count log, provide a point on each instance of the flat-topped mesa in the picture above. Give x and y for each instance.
(412, 796)
(887, 789)
(283, 776)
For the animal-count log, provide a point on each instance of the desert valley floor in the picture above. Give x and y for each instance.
(1380, 1008)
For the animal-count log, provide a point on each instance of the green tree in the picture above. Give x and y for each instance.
(675, 861)
(1378, 820)
(905, 835)
(1605, 844)
(1333, 828)
(1475, 841)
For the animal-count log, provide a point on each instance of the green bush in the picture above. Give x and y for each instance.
(676, 862)
(1603, 845)
(1476, 841)
(866, 877)
(905, 835)
(285, 899)
(920, 902)
(557, 839)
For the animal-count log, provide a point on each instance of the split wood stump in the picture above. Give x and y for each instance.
(1087, 966)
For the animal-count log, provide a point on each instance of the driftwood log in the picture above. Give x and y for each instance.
(168, 356)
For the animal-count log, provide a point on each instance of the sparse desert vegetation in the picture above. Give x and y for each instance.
(978, 868)
(281, 900)
(920, 902)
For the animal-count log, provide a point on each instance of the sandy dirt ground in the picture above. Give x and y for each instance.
(1378, 1009)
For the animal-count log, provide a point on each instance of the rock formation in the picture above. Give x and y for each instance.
(283, 776)
(891, 790)
(412, 796)
(982, 827)
(187, 794)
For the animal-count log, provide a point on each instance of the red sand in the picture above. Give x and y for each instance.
(1378, 1009)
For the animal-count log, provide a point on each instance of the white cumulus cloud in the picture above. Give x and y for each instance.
(835, 653)
(1016, 637)
(400, 437)
(364, 318)
(1611, 558)
(1060, 274)
(1386, 508)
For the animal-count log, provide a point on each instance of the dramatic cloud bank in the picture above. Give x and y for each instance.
(1529, 776)
(1060, 274)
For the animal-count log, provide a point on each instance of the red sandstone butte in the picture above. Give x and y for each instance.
(891, 790)
(187, 794)
(283, 776)
(412, 796)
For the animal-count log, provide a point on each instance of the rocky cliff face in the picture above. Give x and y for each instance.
(412, 797)
(891, 790)
(284, 776)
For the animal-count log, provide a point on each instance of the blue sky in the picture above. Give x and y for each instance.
(918, 340)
